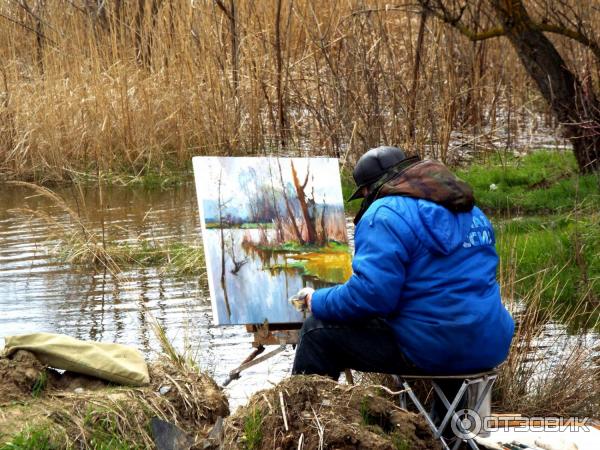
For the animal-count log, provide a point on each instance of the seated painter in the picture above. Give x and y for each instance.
(423, 294)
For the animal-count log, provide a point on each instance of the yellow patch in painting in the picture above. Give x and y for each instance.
(335, 267)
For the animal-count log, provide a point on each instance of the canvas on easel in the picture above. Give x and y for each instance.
(270, 226)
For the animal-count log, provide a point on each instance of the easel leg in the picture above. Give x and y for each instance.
(235, 373)
(349, 377)
(252, 360)
(266, 334)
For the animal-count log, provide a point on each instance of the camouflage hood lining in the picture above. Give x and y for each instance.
(431, 180)
(427, 180)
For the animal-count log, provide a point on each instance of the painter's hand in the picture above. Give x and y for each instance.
(302, 300)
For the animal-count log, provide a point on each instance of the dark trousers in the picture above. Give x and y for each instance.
(327, 348)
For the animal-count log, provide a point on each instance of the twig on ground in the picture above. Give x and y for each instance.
(283, 413)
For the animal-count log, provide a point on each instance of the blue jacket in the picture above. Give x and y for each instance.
(431, 274)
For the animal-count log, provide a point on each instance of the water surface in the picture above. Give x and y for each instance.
(39, 293)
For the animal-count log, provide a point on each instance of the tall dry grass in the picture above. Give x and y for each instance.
(74, 238)
(77, 242)
(141, 86)
(553, 368)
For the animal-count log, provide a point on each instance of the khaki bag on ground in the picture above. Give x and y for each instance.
(112, 362)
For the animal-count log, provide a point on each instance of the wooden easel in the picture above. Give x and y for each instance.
(281, 334)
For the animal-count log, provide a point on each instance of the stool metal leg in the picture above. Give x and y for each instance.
(424, 413)
(398, 385)
(419, 406)
(451, 408)
(457, 444)
(489, 382)
(402, 400)
(451, 414)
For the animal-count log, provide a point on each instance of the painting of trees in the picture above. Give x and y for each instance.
(221, 207)
(270, 226)
(304, 200)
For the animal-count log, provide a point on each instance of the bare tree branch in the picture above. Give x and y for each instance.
(572, 34)
(27, 27)
(223, 8)
(482, 35)
(442, 13)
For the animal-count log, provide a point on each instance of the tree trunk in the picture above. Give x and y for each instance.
(289, 208)
(310, 226)
(221, 205)
(412, 130)
(324, 237)
(576, 108)
(279, 59)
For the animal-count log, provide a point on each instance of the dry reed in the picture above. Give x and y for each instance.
(552, 367)
(92, 87)
(76, 241)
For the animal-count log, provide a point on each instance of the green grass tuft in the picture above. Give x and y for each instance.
(253, 433)
(31, 439)
(104, 431)
(400, 442)
(40, 384)
(365, 413)
(563, 249)
(147, 178)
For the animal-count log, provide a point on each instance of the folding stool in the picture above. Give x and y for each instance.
(482, 383)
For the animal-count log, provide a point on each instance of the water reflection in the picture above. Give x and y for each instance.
(263, 283)
(37, 293)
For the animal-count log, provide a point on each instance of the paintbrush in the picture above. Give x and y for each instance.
(299, 302)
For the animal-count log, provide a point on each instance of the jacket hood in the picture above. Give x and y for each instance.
(446, 215)
(439, 229)
(426, 180)
(441, 218)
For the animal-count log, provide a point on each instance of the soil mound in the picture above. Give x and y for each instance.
(23, 376)
(73, 411)
(321, 413)
(195, 398)
(18, 376)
